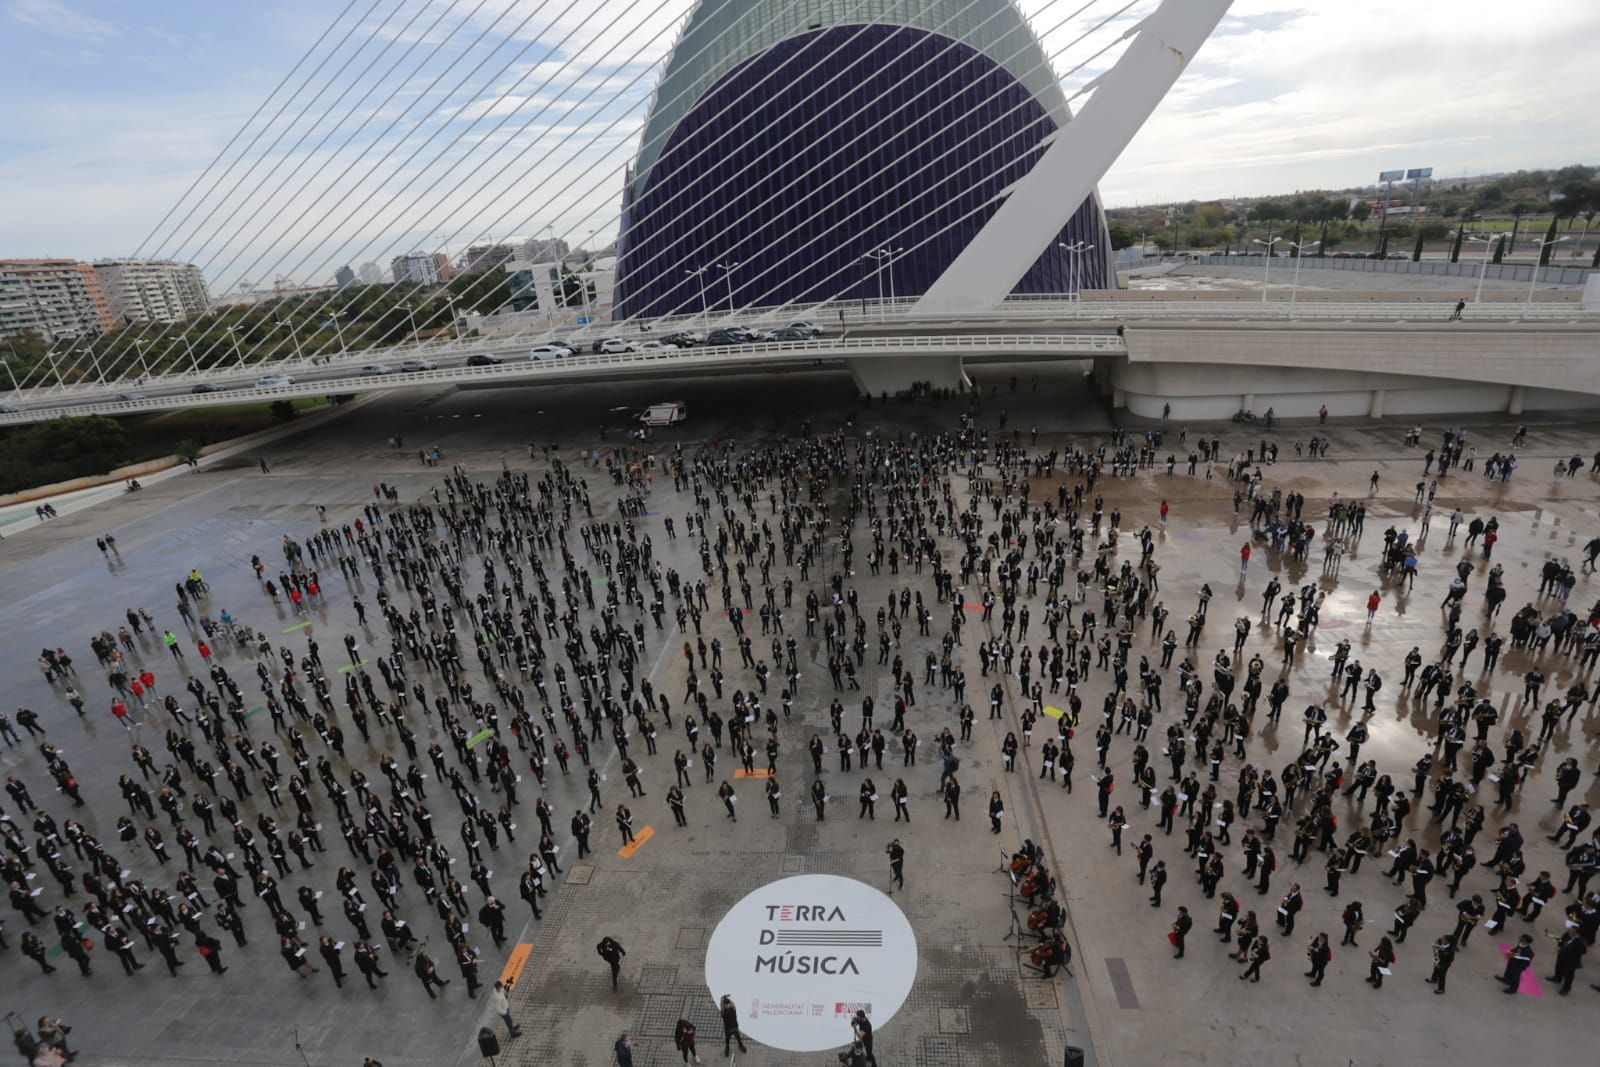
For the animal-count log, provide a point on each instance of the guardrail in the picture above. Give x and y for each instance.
(752, 356)
(1035, 310)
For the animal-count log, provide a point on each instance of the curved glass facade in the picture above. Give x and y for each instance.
(805, 153)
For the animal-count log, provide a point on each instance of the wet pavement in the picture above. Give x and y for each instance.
(973, 1002)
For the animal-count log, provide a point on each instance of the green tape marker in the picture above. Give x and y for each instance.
(480, 737)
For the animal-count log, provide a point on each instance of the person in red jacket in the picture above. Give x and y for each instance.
(120, 710)
(1244, 557)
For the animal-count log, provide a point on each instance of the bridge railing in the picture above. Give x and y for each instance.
(665, 361)
(855, 315)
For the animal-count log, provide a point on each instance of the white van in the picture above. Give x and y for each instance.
(668, 414)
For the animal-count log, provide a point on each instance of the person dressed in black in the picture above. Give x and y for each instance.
(863, 1031)
(1444, 954)
(612, 952)
(428, 975)
(367, 963)
(897, 863)
(330, 955)
(1180, 930)
(730, 1025)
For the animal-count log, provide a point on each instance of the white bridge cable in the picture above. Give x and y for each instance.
(161, 249)
(583, 178)
(139, 251)
(420, 296)
(689, 298)
(246, 311)
(1047, 60)
(429, 296)
(267, 154)
(591, 215)
(266, 202)
(284, 306)
(706, 251)
(379, 140)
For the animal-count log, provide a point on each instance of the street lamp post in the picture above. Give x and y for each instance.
(700, 273)
(1266, 276)
(1294, 287)
(1077, 248)
(338, 331)
(294, 338)
(880, 257)
(455, 320)
(1483, 265)
(1533, 278)
(727, 276)
(9, 372)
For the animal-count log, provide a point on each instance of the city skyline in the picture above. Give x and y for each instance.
(129, 106)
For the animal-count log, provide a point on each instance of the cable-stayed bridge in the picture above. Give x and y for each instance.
(914, 177)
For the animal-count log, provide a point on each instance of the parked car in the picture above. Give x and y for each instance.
(482, 360)
(274, 381)
(655, 346)
(612, 345)
(8, 409)
(130, 396)
(543, 352)
(681, 340)
(208, 387)
(377, 368)
(730, 335)
(600, 343)
(411, 366)
(787, 333)
(811, 328)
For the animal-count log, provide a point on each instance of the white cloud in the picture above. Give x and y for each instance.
(55, 17)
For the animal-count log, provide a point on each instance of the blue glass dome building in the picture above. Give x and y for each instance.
(795, 137)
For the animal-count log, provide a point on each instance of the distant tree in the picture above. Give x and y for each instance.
(1121, 236)
(1549, 246)
(1361, 211)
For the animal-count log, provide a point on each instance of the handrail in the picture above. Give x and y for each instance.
(1041, 309)
(753, 355)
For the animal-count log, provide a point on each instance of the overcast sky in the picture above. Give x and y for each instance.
(116, 108)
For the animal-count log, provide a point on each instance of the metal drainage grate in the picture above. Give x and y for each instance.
(658, 978)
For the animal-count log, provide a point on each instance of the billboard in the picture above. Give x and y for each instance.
(1391, 175)
(1419, 173)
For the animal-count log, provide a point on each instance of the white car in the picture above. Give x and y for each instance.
(377, 368)
(274, 381)
(655, 346)
(411, 366)
(544, 352)
(809, 327)
(613, 345)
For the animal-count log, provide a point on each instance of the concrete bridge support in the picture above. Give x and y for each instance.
(876, 375)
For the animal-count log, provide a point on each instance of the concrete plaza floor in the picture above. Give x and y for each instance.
(1128, 1003)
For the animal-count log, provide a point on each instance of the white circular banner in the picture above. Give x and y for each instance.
(801, 955)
